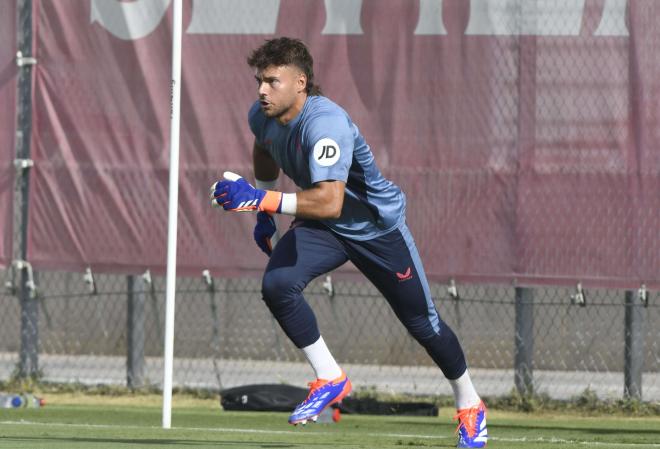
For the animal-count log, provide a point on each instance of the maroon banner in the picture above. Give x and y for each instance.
(7, 126)
(523, 133)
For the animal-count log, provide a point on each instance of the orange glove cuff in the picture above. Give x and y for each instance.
(271, 202)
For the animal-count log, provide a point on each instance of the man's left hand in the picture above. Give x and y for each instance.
(264, 231)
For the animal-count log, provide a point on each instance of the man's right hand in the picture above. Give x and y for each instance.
(264, 231)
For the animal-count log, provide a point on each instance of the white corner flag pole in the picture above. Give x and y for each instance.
(175, 122)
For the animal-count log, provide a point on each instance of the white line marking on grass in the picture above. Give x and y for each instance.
(110, 426)
(559, 441)
(292, 431)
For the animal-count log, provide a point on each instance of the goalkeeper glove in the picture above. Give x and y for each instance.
(264, 231)
(234, 193)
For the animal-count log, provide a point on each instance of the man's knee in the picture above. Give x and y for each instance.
(278, 287)
(421, 329)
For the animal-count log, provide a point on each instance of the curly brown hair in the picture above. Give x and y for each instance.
(286, 51)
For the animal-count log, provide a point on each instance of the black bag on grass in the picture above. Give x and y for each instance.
(284, 398)
(262, 398)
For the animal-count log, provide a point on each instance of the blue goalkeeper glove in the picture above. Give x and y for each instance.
(264, 231)
(235, 194)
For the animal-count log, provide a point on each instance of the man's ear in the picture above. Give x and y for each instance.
(302, 82)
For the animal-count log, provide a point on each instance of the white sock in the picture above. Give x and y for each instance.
(322, 361)
(465, 395)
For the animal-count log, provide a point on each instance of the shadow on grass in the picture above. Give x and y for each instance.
(590, 430)
(549, 428)
(67, 442)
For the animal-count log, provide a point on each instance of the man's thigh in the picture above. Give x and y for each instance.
(392, 263)
(307, 250)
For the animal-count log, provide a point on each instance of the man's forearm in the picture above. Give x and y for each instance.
(321, 202)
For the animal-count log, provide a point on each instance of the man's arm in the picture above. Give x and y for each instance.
(265, 168)
(321, 202)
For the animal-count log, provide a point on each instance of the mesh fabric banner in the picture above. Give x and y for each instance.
(7, 126)
(523, 133)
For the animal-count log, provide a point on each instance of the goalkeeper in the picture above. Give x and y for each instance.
(345, 210)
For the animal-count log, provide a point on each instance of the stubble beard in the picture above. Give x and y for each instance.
(274, 112)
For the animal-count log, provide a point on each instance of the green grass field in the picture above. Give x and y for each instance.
(70, 422)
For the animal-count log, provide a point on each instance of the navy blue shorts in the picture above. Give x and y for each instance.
(391, 262)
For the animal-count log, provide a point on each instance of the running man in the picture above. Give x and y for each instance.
(345, 210)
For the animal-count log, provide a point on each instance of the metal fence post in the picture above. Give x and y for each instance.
(634, 346)
(135, 332)
(29, 351)
(524, 341)
(28, 360)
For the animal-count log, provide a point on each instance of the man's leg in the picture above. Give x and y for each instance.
(393, 264)
(305, 252)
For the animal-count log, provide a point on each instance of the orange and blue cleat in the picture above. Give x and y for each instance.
(322, 394)
(472, 426)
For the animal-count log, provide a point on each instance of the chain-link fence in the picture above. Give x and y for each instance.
(512, 117)
(109, 331)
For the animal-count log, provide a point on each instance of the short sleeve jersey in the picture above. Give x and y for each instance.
(321, 144)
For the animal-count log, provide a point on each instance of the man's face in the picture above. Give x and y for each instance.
(279, 88)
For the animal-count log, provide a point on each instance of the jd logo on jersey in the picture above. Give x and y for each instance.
(326, 152)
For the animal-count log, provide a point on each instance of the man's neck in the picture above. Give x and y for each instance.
(294, 110)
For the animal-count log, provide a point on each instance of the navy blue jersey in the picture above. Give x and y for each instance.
(321, 144)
